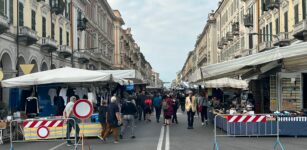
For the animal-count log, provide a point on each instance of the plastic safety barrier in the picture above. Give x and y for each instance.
(259, 125)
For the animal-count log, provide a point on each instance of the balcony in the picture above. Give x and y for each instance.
(4, 24)
(48, 44)
(282, 40)
(81, 26)
(220, 45)
(300, 30)
(229, 36)
(211, 18)
(248, 21)
(65, 51)
(236, 29)
(83, 56)
(272, 4)
(265, 46)
(57, 6)
(224, 41)
(27, 36)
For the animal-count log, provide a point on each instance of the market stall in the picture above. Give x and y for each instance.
(277, 79)
(49, 91)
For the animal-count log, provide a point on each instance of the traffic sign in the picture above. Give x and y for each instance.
(83, 109)
(42, 132)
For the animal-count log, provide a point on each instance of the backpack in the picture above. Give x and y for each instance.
(164, 105)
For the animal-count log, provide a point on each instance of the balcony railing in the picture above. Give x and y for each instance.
(83, 56)
(266, 46)
(27, 36)
(48, 44)
(300, 30)
(224, 41)
(272, 4)
(65, 51)
(57, 6)
(229, 36)
(236, 29)
(81, 26)
(4, 24)
(282, 39)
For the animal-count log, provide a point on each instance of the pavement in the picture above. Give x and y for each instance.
(154, 136)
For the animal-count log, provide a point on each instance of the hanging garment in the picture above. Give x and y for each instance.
(52, 93)
(63, 94)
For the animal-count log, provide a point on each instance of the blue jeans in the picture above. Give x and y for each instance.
(70, 125)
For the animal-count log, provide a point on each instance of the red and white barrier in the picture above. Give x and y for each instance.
(245, 119)
(46, 123)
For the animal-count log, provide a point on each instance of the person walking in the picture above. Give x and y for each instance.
(72, 121)
(140, 105)
(190, 107)
(202, 105)
(114, 120)
(128, 111)
(181, 98)
(157, 103)
(148, 108)
(175, 108)
(103, 109)
(167, 105)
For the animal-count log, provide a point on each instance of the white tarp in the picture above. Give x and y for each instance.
(226, 82)
(133, 75)
(238, 65)
(61, 75)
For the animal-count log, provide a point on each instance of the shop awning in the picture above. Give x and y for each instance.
(226, 82)
(61, 75)
(244, 64)
(132, 75)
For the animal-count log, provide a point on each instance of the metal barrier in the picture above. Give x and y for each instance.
(260, 125)
(40, 130)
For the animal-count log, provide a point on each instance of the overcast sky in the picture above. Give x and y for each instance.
(166, 30)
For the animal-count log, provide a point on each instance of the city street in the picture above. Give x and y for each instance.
(148, 136)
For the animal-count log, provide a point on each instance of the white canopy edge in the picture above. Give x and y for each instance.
(225, 68)
(132, 75)
(226, 82)
(60, 75)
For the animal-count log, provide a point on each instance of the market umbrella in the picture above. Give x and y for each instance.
(61, 75)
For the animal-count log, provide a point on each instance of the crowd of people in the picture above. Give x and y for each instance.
(120, 114)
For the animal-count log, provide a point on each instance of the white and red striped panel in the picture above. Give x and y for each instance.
(247, 118)
(46, 123)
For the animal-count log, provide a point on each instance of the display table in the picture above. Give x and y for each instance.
(90, 130)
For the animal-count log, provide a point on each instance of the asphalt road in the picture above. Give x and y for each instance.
(154, 136)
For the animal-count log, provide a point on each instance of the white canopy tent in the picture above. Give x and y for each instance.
(243, 64)
(132, 75)
(226, 82)
(61, 75)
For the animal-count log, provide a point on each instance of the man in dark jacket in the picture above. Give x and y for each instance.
(128, 111)
(140, 105)
(103, 109)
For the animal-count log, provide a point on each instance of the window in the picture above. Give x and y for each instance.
(296, 15)
(61, 36)
(11, 11)
(271, 31)
(263, 35)
(267, 33)
(44, 27)
(67, 38)
(286, 21)
(260, 39)
(277, 26)
(52, 30)
(20, 14)
(33, 20)
(3, 7)
(304, 9)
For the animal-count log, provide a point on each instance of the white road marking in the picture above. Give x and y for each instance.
(160, 143)
(56, 147)
(167, 145)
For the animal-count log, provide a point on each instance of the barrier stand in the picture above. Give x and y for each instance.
(41, 129)
(260, 125)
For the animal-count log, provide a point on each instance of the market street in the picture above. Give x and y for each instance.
(148, 137)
